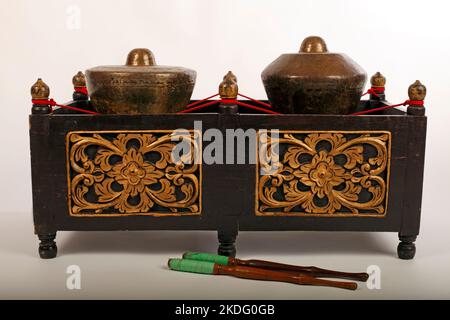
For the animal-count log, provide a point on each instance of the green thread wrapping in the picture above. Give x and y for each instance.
(222, 260)
(191, 266)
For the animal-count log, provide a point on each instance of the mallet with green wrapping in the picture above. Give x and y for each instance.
(207, 267)
(269, 265)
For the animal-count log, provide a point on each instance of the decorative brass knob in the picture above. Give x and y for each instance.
(417, 91)
(79, 80)
(313, 44)
(228, 88)
(140, 57)
(39, 90)
(378, 80)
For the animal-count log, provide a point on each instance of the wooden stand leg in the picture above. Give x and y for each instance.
(47, 246)
(227, 245)
(406, 248)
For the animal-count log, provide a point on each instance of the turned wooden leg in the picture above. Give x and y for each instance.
(227, 245)
(47, 246)
(406, 248)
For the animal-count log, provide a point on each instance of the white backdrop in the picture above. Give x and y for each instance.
(405, 40)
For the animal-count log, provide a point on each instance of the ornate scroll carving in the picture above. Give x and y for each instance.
(324, 173)
(114, 173)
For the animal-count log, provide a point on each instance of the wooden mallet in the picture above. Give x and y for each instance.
(207, 267)
(310, 271)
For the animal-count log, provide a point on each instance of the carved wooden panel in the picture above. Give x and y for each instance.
(119, 173)
(323, 173)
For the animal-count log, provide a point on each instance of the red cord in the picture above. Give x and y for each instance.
(200, 101)
(239, 103)
(256, 101)
(199, 107)
(82, 90)
(378, 89)
(407, 102)
(198, 104)
(53, 103)
(414, 102)
(374, 90)
(226, 101)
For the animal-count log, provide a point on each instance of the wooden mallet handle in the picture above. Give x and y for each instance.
(312, 271)
(280, 276)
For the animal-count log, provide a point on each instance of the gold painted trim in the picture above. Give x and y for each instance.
(153, 214)
(334, 215)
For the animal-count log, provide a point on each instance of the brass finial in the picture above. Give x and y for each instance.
(39, 90)
(140, 57)
(417, 91)
(313, 44)
(228, 88)
(79, 80)
(378, 80)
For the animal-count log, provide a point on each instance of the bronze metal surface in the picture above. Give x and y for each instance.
(39, 90)
(417, 91)
(140, 86)
(79, 80)
(314, 81)
(324, 173)
(378, 80)
(120, 173)
(228, 88)
(140, 57)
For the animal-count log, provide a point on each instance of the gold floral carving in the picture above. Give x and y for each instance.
(114, 173)
(324, 174)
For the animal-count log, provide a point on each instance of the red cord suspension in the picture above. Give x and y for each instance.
(82, 90)
(53, 103)
(243, 104)
(407, 102)
(374, 90)
(200, 101)
(228, 101)
(200, 105)
(256, 101)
